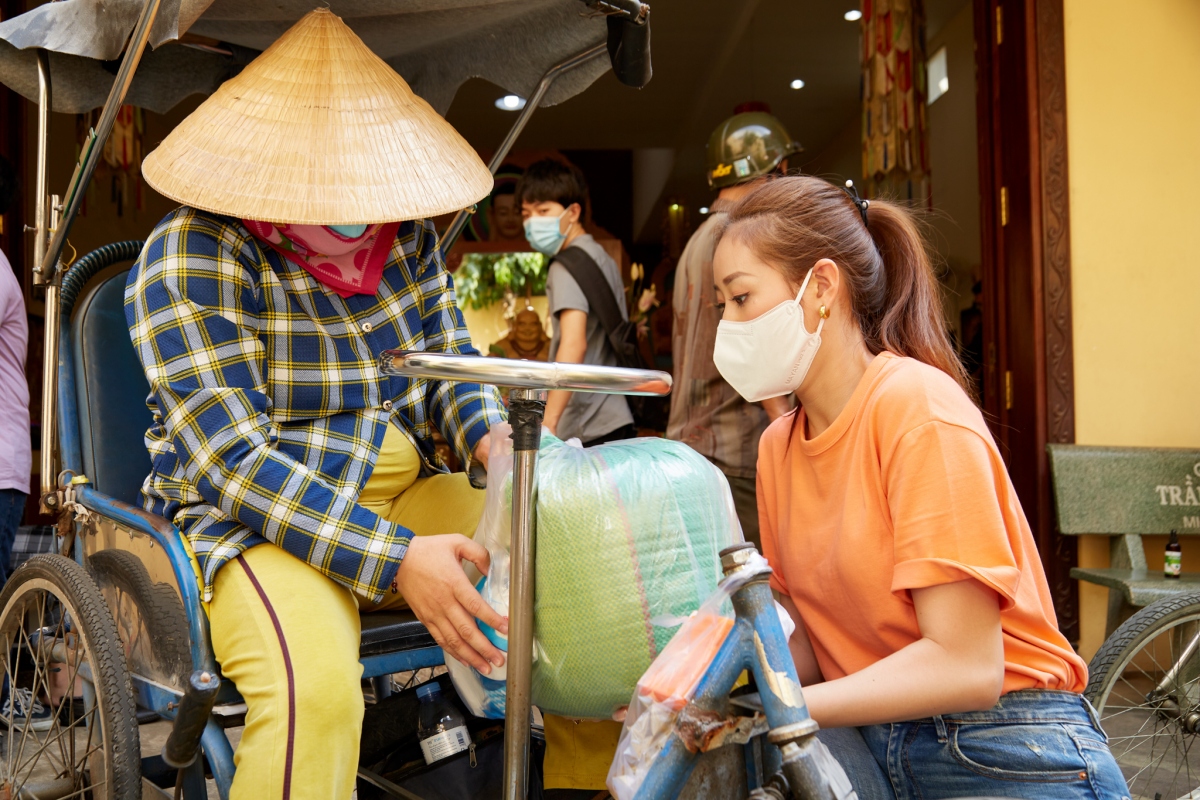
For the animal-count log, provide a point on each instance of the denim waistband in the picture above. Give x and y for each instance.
(1033, 705)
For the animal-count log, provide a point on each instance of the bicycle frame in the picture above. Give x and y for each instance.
(757, 644)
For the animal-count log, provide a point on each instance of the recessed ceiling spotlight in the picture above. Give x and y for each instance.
(797, 84)
(703, 209)
(510, 102)
(853, 15)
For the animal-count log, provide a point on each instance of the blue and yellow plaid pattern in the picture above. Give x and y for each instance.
(269, 407)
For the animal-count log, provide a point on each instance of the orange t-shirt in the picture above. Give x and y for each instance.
(905, 490)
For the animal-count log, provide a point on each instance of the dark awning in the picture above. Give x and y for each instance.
(435, 45)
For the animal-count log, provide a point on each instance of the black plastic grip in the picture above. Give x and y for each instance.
(525, 416)
(194, 710)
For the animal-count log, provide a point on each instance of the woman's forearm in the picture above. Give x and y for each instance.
(957, 665)
(919, 681)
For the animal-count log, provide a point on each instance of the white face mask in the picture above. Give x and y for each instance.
(769, 355)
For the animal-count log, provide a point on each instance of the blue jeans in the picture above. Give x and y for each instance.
(1032, 744)
(12, 508)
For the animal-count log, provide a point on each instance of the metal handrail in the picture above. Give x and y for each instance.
(518, 374)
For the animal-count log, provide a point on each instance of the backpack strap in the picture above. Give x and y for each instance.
(601, 298)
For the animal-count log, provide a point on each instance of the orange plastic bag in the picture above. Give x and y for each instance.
(674, 675)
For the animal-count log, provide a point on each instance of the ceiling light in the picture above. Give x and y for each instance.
(510, 102)
(854, 15)
(797, 84)
(703, 209)
(675, 206)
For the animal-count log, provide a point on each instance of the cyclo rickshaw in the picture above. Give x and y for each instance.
(112, 631)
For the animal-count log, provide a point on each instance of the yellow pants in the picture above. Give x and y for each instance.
(288, 637)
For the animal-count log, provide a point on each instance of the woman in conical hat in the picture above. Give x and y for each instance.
(306, 482)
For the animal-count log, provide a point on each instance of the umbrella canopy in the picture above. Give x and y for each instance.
(435, 45)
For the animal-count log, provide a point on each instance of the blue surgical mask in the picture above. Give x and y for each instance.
(349, 231)
(544, 235)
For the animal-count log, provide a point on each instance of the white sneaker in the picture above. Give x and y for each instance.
(20, 707)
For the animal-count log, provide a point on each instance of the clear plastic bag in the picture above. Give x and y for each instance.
(628, 545)
(628, 542)
(483, 695)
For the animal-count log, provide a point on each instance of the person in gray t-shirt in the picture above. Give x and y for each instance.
(552, 196)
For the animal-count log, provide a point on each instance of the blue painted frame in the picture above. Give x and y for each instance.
(757, 643)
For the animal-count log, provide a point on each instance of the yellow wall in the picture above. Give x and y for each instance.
(1133, 119)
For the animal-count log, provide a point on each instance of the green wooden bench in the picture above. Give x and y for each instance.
(1128, 492)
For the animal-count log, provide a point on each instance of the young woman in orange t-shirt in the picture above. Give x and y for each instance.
(925, 634)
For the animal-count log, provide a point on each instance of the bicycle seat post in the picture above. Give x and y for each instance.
(525, 410)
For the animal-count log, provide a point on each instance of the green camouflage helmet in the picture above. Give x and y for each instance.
(746, 146)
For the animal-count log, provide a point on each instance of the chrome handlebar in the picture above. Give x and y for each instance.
(525, 374)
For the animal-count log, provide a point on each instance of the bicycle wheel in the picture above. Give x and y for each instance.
(68, 724)
(1145, 682)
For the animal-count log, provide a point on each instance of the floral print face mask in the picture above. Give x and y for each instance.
(347, 258)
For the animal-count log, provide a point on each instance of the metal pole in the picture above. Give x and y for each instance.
(45, 269)
(94, 145)
(460, 219)
(526, 407)
(43, 145)
(52, 320)
(48, 474)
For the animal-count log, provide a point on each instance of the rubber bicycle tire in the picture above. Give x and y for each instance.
(114, 690)
(1139, 628)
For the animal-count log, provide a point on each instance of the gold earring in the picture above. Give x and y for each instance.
(823, 311)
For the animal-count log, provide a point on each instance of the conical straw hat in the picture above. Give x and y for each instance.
(318, 130)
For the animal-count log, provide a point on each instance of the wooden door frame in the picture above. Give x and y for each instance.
(1021, 113)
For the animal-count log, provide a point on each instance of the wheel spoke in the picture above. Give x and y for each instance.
(72, 729)
(12, 685)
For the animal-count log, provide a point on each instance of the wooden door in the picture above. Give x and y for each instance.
(1028, 379)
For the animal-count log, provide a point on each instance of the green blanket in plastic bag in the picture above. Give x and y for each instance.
(628, 537)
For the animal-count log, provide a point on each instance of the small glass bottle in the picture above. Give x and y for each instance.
(441, 729)
(1173, 565)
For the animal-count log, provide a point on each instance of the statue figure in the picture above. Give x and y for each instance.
(526, 339)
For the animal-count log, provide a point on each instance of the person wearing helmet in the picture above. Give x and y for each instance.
(706, 412)
(306, 483)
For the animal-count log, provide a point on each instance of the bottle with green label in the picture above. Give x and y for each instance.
(1173, 566)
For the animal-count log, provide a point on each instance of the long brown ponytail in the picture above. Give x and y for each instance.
(793, 222)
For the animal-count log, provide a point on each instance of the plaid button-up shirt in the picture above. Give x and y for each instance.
(269, 407)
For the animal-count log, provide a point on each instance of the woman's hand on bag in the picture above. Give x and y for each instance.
(433, 583)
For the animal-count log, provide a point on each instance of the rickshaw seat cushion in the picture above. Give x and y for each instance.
(392, 631)
(111, 390)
